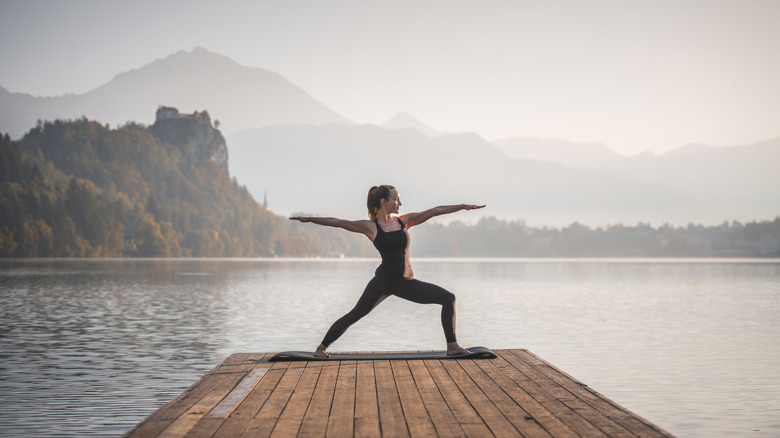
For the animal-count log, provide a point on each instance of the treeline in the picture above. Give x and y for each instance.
(491, 237)
(80, 189)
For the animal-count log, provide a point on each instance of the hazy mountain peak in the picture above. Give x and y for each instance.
(199, 54)
(404, 120)
(186, 63)
(240, 97)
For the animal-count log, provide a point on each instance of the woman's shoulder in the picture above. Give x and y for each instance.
(367, 224)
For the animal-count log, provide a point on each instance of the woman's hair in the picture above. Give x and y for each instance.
(375, 196)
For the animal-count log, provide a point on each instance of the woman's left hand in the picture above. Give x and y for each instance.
(472, 206)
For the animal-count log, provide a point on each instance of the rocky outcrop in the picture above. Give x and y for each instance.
(193, 134)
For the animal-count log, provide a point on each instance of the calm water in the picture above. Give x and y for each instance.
(91, 347)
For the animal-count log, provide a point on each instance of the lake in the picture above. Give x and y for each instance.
(92, 347)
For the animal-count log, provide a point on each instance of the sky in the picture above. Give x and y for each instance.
(634, 75)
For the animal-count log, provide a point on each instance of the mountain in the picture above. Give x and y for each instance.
(327, 170)
(242, 97)
(404, 120)
(557, 151)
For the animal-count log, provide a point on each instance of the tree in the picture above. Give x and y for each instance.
(151, 242)
(7, 244)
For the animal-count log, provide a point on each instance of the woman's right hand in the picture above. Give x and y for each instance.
(300, 218)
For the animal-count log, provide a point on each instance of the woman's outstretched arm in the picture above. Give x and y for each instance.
(361, 226)
(412, 219)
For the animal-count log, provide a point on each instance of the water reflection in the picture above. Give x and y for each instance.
(91, 347)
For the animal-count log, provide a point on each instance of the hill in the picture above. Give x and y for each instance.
(78, 188)
(244, 97)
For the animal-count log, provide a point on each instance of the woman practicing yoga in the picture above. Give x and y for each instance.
(394, 276)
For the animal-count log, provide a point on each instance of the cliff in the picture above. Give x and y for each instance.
(193, 134)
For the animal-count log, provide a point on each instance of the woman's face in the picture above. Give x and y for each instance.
(393, 202)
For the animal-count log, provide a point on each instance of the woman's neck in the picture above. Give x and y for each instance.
(385, 218)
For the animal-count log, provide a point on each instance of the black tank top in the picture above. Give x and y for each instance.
(392, 247)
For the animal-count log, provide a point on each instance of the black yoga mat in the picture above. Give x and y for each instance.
(474, 353)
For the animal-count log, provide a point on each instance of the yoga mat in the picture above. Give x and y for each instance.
(474, 353)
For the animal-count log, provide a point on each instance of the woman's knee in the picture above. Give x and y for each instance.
(445, 297)
(355, 315)
(449, 297)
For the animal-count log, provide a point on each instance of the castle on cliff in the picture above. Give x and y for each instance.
(193, 134)
(170, 113)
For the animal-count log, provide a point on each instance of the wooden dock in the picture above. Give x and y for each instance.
(516, 394)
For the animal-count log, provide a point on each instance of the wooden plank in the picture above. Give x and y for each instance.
(519, 417)
(187, 420)
(165, 415)
(265, 420)
(628, 420)
(342, 414)
(468, 419)
(254, 357)
(561, 402)
(289, 422)
(315, 421)
(240, 418)
(391, 415)
(213, 420)
(441, 416)
(238, 394)
(495, 420)
(417, 419)
(573, 399)
(366, 403)
(555, 407)
(538, 412)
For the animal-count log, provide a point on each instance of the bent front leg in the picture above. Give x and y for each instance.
(427, 293)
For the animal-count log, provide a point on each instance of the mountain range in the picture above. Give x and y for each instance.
(739, 181)
(328, 169)
(239, 97)
(306, 157)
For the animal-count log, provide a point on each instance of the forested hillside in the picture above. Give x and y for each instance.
(81, 189)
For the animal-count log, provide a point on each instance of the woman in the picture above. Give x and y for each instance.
(394, 276)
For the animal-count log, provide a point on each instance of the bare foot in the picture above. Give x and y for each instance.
(320, 352)
(453, 349)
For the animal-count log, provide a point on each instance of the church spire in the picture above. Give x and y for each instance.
(265, 199)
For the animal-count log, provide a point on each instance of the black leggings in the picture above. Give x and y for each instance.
(413, 290)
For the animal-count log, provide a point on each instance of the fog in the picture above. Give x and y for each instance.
(636, 76)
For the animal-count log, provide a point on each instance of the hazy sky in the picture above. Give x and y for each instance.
(635, 75)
